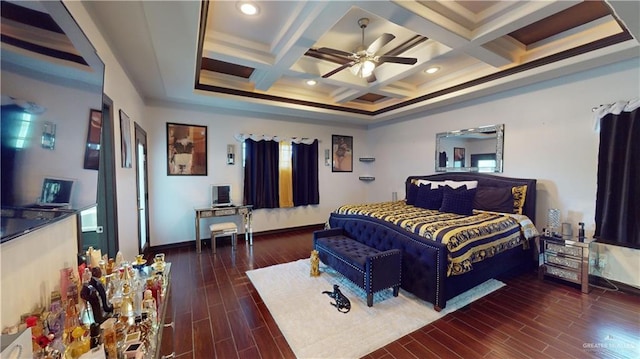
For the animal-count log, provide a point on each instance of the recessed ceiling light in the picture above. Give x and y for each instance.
(312, 82)
(248, 8)
(432, 70)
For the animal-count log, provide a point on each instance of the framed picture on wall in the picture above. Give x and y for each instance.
(342, 153)
(94, 134)
(458, 157)
(125, 139)
(186, 150)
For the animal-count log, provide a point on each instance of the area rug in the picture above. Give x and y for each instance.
(315, 329)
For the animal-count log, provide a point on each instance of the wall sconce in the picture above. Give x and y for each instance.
(231, 154)
(48, 140)
(327, 157)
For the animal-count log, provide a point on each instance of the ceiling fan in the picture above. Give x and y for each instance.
(364, 60)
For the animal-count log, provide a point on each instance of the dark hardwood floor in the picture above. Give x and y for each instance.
(218, 313)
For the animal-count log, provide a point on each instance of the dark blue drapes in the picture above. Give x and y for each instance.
(304, 162)
(618, 194)
(261, 183)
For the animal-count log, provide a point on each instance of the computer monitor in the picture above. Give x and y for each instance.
(56, 191)
(221, 195)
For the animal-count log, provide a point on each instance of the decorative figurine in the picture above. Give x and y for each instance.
(342, 303)
(315, 263)
(90, 294)
(97, 282)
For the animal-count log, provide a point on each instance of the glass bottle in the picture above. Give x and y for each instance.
(109, 339)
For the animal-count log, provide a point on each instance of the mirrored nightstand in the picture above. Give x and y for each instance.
(565, 259)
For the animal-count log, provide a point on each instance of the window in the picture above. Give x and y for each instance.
(279, 175)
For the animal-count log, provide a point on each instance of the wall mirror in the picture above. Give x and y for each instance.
(51, 75)
(470, 150)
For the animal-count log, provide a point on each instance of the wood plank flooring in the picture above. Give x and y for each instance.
(218, 313)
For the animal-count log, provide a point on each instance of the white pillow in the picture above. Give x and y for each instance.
(434, 184)
(456, 184)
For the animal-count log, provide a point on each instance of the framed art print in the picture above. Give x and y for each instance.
(125, 139)
(342, 153)
(94, 135)
(186, 150)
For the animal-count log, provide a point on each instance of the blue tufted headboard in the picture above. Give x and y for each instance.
(489, 180)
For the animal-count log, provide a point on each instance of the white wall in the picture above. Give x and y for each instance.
(124, 96)
(549, 136)
(173, 198)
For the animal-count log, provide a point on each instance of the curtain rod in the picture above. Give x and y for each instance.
(594, 109)
(306, 140)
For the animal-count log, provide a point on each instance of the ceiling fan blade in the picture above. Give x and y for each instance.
(398, 60)
(331, 51)
(333, 72)
(379, 43)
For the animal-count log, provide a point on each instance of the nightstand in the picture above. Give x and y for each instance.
(566, 259)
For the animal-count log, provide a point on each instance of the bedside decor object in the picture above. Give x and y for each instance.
(567, 231)
(553, 221)
(581, 231)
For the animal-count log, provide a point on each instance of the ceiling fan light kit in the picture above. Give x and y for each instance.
(363, 68)
(363, 61)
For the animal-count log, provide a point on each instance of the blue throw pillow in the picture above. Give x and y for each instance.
(429, 198)
(412, 194)
(459, 200)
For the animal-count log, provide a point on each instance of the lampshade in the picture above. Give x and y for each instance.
(363, 68)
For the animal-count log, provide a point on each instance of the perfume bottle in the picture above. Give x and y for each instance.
(81, 344)
(109, 338)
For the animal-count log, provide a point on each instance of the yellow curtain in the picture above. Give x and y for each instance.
(286, 187)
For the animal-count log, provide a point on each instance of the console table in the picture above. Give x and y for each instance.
(210, 212)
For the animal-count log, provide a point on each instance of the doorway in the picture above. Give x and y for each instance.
(101, 220)
(142, 182)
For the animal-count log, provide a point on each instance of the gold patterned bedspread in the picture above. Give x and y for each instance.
(469, 239)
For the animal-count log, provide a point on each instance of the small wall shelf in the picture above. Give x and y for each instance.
(367, 160)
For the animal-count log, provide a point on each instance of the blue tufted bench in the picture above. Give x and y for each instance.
(367, 267)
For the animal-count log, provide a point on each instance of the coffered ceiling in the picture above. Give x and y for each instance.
(211, 54)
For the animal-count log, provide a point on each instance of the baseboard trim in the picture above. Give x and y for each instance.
(604, 282)
(256, 236)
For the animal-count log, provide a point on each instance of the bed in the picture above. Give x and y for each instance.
(445, 253)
